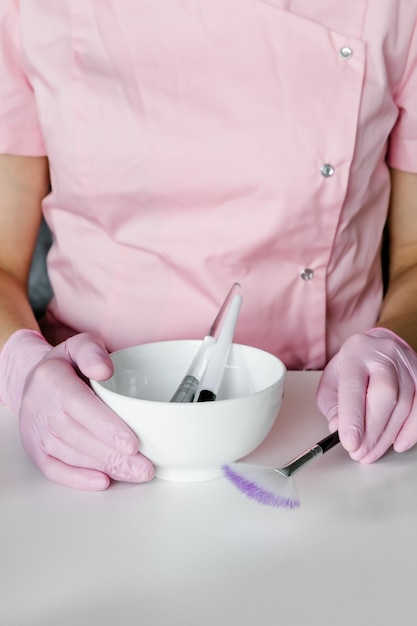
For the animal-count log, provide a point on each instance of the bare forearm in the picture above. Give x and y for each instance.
(399, 310)
(15, 310)
(24, 182)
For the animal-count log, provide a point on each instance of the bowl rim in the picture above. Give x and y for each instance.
(95, 384)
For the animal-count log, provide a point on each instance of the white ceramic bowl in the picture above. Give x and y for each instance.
(191, 441)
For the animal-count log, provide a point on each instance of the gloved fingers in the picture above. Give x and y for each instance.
(91, 413)
(386, 407)
(367, 392)
(71, 443)
(88, 353)
(75, 398)
(352, 389)
(59, 472)
(327, 391)
(407, 437)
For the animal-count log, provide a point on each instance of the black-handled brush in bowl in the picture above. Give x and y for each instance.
(275, 486)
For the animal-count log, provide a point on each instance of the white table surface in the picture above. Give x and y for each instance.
(202, 554)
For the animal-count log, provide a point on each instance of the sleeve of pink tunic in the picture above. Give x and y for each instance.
(19, 126)
(403, 141)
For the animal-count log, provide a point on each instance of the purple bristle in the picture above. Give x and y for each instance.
(255, 492)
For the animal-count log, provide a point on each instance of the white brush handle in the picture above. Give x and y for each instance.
(212, 378)
(187, 389)
(189, 384)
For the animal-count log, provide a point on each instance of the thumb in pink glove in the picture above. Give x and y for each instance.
(368, 393)
(65, 429)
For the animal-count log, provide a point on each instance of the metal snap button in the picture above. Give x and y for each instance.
(346, 52)
(307, 274)
(327, 170)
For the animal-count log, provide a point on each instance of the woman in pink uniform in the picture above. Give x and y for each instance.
(189, 144)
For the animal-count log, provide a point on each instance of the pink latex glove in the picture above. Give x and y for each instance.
(65, 429)
(368, 392)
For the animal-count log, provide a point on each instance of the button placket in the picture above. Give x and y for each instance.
(327, 169)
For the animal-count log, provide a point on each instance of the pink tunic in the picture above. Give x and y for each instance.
(194, 143)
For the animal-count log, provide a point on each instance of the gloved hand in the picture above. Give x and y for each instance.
(368, 392)
(65, 429)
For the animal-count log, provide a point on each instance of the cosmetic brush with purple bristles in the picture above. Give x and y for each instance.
(275, 486)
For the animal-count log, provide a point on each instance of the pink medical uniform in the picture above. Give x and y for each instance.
(194, 143)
